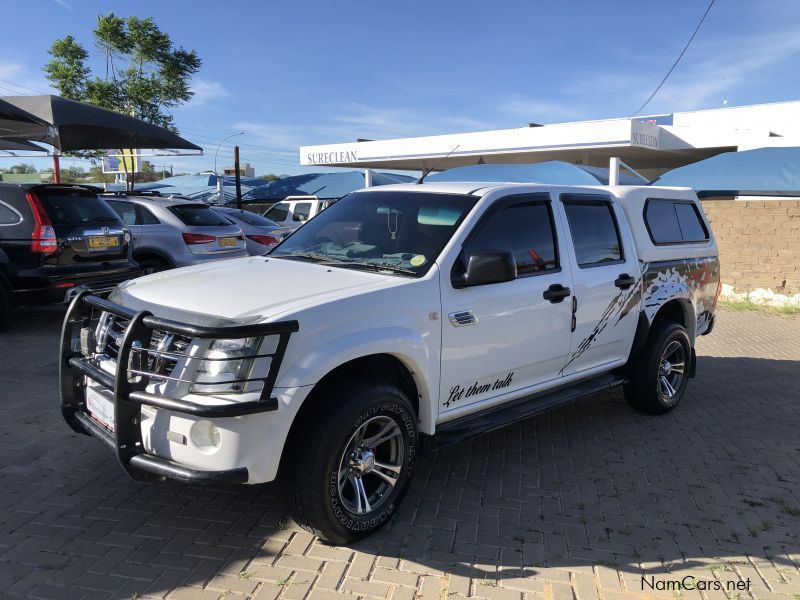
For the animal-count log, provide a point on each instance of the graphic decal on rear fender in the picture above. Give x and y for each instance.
(694, 280)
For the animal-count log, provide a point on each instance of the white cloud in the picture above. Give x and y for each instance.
(708, 73)
(207, 91)
(64, 4)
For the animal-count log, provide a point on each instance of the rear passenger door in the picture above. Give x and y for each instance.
(605, 279)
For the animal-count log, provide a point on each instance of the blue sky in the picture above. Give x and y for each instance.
(293, 73)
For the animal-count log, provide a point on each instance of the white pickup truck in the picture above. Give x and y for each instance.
(400, 319)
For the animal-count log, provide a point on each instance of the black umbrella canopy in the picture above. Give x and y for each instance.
(15, 122)
(81, 126)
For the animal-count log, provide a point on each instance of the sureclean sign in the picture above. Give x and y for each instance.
(324, 158)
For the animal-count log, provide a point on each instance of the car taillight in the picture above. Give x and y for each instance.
(43, 236)
(198, 238)
(266, 240)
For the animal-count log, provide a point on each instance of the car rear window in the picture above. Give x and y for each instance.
(64, 207)
(199, 215)
(251, 218)
(674, 222)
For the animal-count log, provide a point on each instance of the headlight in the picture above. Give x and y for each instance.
(226, 366)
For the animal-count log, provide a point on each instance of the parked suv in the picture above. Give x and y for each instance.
(175, 232)
(401, 319)
(54, 238)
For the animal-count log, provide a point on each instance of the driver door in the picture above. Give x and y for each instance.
(504, 339)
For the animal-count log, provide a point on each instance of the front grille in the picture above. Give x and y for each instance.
(161, 356)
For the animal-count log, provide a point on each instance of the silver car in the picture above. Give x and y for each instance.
(262, 234)
(175, 232)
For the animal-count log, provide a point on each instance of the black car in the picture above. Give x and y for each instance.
(54, 238)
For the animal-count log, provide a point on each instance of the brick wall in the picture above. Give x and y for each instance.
(759, 243)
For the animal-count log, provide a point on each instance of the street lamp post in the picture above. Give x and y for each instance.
(220, 146)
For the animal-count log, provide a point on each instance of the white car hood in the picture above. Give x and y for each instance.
(252, 289)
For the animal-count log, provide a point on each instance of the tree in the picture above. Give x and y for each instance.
(269, 177)
(22, 169)
(145, 75)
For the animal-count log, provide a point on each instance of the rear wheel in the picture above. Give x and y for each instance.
(658, 376)
(349, 465)
(153, 264)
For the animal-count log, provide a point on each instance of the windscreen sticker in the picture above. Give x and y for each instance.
(417, 260)
(460, 393)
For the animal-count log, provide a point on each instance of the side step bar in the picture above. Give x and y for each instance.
(500, 416)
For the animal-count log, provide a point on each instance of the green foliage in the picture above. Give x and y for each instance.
(21, 169)
(145, 75)
(269, 177)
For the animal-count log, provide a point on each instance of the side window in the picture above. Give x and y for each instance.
(525, 229)
(279, 212)
(301, 211)
(8, 216)
(674, 222)
(125, 210)
(595, 234)
(146, 217)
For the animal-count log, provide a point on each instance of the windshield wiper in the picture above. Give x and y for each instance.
(310, 256)
(377, 266)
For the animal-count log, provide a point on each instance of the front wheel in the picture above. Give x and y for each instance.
(658, 376)
(350, 463)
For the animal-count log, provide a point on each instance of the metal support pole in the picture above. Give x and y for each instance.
(238, 178)
(367, 177)
(613, 171)
(56, 168)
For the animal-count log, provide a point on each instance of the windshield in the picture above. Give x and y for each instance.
(396, 232)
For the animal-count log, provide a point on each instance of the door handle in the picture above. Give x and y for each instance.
(556, 293)
(624, 281)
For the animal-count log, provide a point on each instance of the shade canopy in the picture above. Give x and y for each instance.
(17, 123)
(554, 172)
(201, 187)
(762, 171)
(81, 126)
(12, 145)
(322, 185)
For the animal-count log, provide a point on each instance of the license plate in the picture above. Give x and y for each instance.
(101, 408)
(100, 242)
(227, 242)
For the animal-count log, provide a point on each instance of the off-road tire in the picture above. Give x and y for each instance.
(311, 472)
(644, 390)
(151, 265)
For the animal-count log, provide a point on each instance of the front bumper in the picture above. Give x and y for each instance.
(129, 386)
(44, 287)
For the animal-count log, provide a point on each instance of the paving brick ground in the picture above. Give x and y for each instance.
(577, 504)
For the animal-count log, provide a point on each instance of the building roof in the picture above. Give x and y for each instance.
(653, 142)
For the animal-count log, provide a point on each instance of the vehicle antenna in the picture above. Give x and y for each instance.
(438, 162)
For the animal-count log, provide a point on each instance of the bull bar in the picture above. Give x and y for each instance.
(75, 365)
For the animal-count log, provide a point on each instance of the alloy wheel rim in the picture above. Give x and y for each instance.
(370, 465)
(671, 370)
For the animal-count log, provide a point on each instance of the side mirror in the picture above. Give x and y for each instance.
(487, 266)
